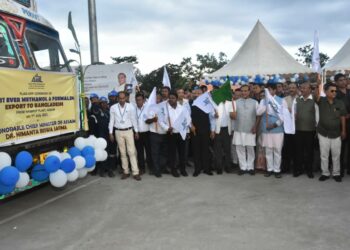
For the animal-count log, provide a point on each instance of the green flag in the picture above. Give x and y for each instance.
(71, 27)
(223, 93)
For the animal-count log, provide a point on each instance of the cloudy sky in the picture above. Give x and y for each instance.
(159, 32)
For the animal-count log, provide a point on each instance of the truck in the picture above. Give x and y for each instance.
(40, 97)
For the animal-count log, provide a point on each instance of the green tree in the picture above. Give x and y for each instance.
(305, 56)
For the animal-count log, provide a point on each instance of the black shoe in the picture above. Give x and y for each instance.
(337, 178)
(251, 172)
(196, 173)
(278, 175)
(348, 172)
(219, 171)
(158, 175)
(111, 174)
(208, 172)
(184, 173)
(175, 173)
(296, 174)
(268, 174)
(323, 178)
(102, 174)
(310, 175)
(228, 170)
(241, 172)
(166, 171)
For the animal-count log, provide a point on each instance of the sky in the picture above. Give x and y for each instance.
(165, 31)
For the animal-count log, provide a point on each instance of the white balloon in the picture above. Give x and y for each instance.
(65, 155)
(5, 160)
(58, 179)
(104, 155)
(82, 172)
(79, 162)
(91, 169)
(55, 153)
(23, 180)
(100, 143)
(90, 141)
(99, 155)
(80, 143)
(73, 176)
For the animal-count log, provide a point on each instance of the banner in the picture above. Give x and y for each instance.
(37, 105)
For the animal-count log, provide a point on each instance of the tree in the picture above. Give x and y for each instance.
(125, 59)
(209, 63)
(305, 56)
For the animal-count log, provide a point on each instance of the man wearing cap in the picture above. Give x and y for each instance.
(113, 98)
(92, 113)
(123, 119)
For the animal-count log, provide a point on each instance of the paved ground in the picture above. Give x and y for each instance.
(219, 212)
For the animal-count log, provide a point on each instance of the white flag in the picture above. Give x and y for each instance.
(289, 119)
(133, 80)
(203, 102)
(275, 106)
(151, 103)
(166, 80)
(316, 66)
(182, 123)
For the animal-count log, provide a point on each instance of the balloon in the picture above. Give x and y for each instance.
(9, 176)
(79, 162)
(65, 155)
(74, 151)
(91, 169)
(58, 179)
(39, 173)
(6, 189)
(52, 164)
(73, 176)
(5, 160)
(23, 161)
(67, 165)
(82, 172)
(79, 143)
(88, 150)
(104, 155)
(90, 141)
(100, 143)
(99, 154)
(23, 180)
(54, 153)
(90, 161)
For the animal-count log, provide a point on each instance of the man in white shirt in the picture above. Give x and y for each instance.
(175, 142)
(123, 120)
(142, 143)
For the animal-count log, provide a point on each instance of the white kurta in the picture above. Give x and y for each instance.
(244, 139)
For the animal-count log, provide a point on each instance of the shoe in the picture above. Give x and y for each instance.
(268, 174)
(296, 174)
(323, 178)
(228, 170)
(158, 175)
(125, 176)
(310, 175)
(184, 173)
(111, 174)
(278, 175)
(337, 178)
(196, 173)
(241, 172)
(348, 172)
(142, 171)
(251, 172)
(165, 171)
(219, 172)
(175, 173)
(102, 174)
(208, 172)
(137, 177)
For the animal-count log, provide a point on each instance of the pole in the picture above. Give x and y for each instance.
(93, 32)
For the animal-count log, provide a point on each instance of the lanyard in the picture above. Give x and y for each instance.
(120, 112)
(138, 116)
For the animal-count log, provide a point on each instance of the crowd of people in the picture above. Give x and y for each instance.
(243, 135)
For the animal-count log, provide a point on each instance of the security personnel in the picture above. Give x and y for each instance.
(92, 112)
(114, 160)
(113, 98)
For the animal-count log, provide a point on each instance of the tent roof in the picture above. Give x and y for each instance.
(260, 54)
(341, 60)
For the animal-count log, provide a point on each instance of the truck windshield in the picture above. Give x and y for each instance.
(46, 51)
(7, 53)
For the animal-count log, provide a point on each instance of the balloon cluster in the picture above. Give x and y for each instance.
(241, 80)
(58, 168)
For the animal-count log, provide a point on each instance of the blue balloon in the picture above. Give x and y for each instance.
(68, 165)
(23, 161)
(73, 151)
(90, 161)
(52, 164)
(9, 176)
(39, 173)
(6, 189)
(88, 150)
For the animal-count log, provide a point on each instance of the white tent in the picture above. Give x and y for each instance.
(341, 60)
(260, 54)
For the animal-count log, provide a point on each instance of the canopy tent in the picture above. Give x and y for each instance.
(261, 54)
(341, 60)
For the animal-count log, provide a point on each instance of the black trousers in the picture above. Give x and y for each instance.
(158, 152)
(200, 149)
(222, 149)
(176, 147)
(304, 146)
(289, 152)
(143, 145)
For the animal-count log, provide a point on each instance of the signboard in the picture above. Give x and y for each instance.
(37, 105)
